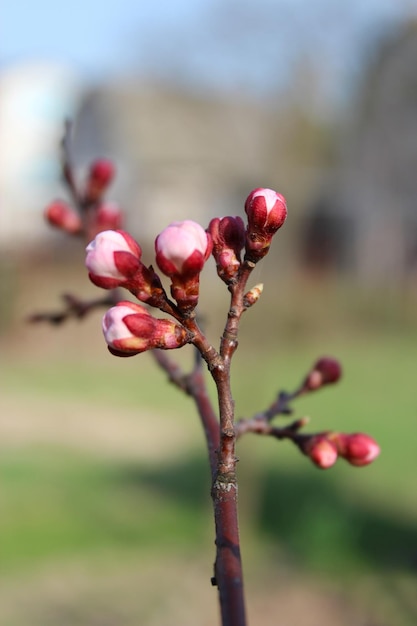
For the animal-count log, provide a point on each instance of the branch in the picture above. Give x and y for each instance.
(75, 308)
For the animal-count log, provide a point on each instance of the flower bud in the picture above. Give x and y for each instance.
(113, 259)
(61, 215)
(99, 178)
(266, 210)
(358, 449)
(228, 235)
(108, 216)
(181, 251)
(325, 371)
(253, 295)
(320, 450)
(129, 329)
(182, 248)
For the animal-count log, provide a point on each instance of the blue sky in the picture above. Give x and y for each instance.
(222, 43)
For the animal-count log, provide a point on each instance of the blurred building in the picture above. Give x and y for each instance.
(365, 219)
(182, 154)
(34, 101)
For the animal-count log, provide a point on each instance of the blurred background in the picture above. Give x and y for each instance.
(105, 514)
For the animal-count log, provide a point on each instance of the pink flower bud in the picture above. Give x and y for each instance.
(325, 371)
(182, 248)
(228, 235)
(320, 450)
(358, 449)
(181, 251)
(266, 210)
(113, 258)
(109, 216)
(102, 172)
(105, 216)
(99, 178)
(129, 329)
(61, 215)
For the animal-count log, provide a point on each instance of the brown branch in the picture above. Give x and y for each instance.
(75, 308)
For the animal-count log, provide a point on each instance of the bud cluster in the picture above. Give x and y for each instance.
(182, 248)
(92, 213)
(324, 448)
(266, 212)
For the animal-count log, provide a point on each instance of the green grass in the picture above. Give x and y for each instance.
(58, 503)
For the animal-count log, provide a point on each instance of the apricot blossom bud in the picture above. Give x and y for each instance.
(181, 251)
(357, 448)
(320, 450)
(61, 215)
(266, 210)
(99, 178)
(228, 235)
(113, 258)
(108, 216)
(325, 371)
(129, 329)
(182, 248)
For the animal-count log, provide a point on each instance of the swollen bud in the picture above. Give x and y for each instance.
(99, 178)
(322, 451)
(266, 210)
(228, 235)
(358, 449)
(182, 249)
(107, 216)
(130, 329)
(61, 215)
(113, 259)
(325, 371)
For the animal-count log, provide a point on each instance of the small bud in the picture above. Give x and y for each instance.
(99, 178)
(130, 329)
(182, 248)
(181, 251)
(228, 235)
(358, 449)
(266, 210)
(113, 259)
(320, 450)
(108, 216)
(325, 371)
(253, 295)
(61, 215)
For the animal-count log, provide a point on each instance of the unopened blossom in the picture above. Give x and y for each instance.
(182, 248)
(266, 210)
(118, 332)
(325, 371)
(358, 448)
(100, 176)
(228, 235)
(181, 251)
(113, 258)
(106, 216)
(63, 216)
(322, 451)
(129, 329)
